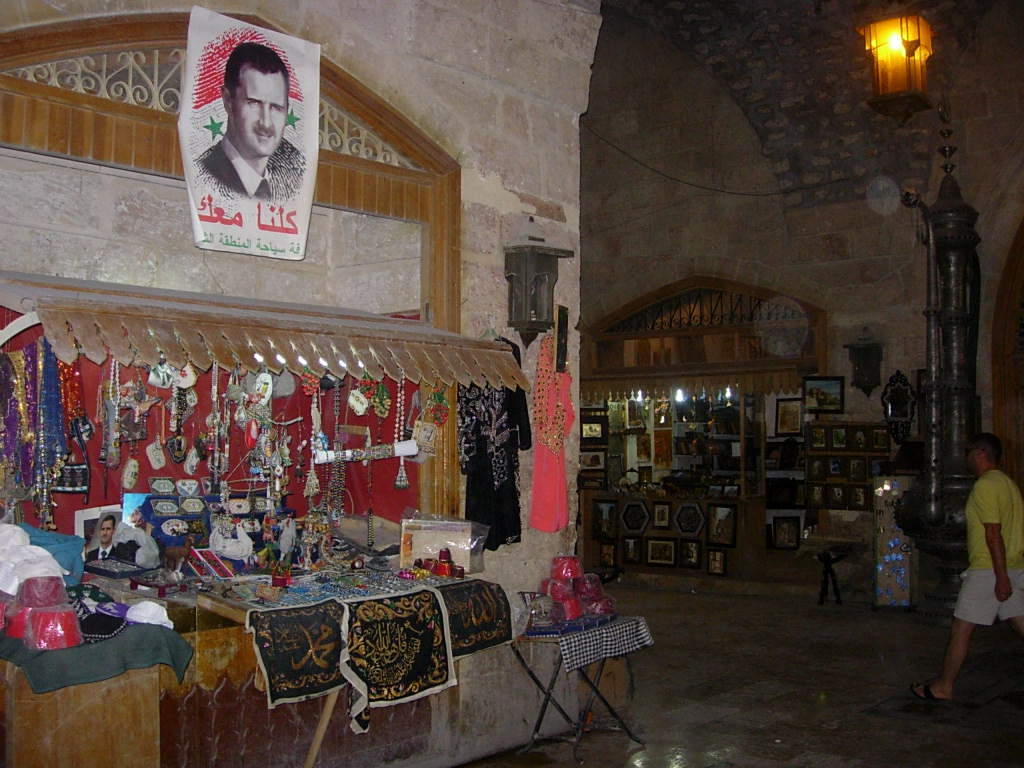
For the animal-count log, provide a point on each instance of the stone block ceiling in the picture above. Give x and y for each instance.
(798, 71)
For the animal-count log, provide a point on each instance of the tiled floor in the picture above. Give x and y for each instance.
(780, 681)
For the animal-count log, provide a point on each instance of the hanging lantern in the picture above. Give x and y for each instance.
(531, 269)
(899, 49)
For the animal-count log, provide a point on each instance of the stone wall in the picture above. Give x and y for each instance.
(500, 86)
(679, 181)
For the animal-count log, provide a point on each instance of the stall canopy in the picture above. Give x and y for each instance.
(139, 326)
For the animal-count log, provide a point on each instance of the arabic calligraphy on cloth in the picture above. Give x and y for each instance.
(478, 614)
(299, 649)
(397, 651)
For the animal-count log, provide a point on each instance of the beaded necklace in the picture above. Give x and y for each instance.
(50, 445)
(17, 430)
(315, 436)
(336, 485)
(31, 394)
(401, 479)
(71, 391)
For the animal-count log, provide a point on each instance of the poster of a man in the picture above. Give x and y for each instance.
(249, 133)
(254, 159)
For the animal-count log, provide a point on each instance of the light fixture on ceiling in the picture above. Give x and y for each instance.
(899, 48)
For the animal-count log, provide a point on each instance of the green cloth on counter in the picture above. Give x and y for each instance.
(137, 647)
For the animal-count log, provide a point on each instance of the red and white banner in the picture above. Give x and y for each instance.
(249, 134)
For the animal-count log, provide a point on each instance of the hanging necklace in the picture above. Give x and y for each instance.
(315, 431)
(401, 479)
(336, 485)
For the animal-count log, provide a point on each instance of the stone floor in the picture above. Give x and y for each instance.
(780, 681)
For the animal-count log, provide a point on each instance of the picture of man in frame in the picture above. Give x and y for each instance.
(254, 159)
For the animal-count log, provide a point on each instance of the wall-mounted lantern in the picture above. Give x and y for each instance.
(899, 49)
(866, 358)
(531, 268)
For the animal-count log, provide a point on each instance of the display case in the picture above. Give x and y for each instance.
(690, 446)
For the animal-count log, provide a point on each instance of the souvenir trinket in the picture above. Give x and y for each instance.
(161, 485)
(130, 474)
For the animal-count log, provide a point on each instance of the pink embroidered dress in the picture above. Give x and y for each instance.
(553, 417)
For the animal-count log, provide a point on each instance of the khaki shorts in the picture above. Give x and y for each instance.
(977, 602)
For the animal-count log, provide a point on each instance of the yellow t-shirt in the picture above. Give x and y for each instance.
(995, 498)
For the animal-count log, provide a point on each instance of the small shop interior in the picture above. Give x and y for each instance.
(738, 485)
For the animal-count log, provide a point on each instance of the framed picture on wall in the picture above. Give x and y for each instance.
(825, 394)
(593, 460)
(689, 518)
(788, 413)
(857, 471)
(837, 467)
(608, 554)
(818, 437)
(816, 495)
(689, 554)
(634, 517)
(604, 517)
(662, 515)
(786, 532)
(661, 551)
(858, 497)
(837, 438)
(631, 552)
(836, 498)
(593, 428)
(817, 468)
(716, 562)
(721, 525)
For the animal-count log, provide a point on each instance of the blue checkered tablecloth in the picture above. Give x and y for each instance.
(617, 638)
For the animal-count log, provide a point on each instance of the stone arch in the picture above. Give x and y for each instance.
(706, 331)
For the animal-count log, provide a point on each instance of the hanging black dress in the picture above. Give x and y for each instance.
(494, 425)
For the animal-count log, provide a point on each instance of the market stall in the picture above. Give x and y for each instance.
(169, 399)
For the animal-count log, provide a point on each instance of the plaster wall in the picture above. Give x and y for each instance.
(500, 86)
(676, 185)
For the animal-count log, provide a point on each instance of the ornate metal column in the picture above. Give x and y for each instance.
(933, 510)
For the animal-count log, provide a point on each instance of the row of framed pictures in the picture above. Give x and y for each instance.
(853, 469)
(848, 437)
(714, 521)
(664, 552)
(839, 496)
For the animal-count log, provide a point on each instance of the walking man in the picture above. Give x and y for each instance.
(993, 584)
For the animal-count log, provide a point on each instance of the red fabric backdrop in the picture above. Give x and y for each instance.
(372, 485)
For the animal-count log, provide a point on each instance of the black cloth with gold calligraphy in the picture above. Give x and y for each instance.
(299, 649)
(478, 615)
(397, 651)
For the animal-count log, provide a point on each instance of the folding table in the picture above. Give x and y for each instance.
(576, 651)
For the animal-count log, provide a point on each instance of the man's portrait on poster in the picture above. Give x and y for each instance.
(253, 159)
